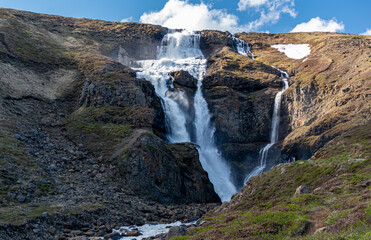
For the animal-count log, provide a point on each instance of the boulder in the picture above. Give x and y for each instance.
(184, 79)
(302, 190)
(132, 233)
(176, 232)
(320, 230)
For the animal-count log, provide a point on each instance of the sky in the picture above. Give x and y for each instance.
(274, 16)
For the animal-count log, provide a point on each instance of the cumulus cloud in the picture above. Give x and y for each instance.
(270, 11)
(319, 25)
(129, 19)
(368, 32)
(181, 14)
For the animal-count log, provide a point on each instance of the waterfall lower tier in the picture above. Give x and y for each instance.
(212, 161)
(180, 50)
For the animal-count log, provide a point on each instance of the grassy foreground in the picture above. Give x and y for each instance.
(339, 206)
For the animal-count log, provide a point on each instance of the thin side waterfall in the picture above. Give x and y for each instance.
(244, 49)
(180, 50)
(263, 155)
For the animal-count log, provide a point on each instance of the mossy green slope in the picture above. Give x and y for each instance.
(266, 208)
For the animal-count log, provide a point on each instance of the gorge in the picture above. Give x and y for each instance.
(107, 124)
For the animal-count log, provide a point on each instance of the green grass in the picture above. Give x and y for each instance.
(272, 212)
(18, 214)
(101, 127)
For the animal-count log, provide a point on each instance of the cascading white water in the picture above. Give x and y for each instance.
(181, 51)
(178, 51)
(263, 155)
(244, 49)
(211, 160)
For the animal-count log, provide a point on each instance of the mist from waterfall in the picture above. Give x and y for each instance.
(180, 50)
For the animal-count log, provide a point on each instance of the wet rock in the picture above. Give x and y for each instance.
(132, 233)
(176, 232)
(184, 79)
(302, 190)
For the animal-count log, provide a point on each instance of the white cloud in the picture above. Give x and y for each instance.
(129, 19)
(319, 25)
(368, 32)
(185, 15)
(243, 4)
(181, 14)
(270, 11)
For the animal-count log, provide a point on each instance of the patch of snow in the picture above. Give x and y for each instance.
(305, 59)
(294, 51)
(148, 230)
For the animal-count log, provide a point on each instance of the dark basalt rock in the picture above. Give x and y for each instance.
(162, 172)
(184, 79)
(124, 90)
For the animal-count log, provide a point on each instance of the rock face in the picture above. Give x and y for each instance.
(323, 101)
(124, 91)
(328, 92)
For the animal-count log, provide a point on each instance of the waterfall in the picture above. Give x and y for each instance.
(211, 159)
(244, 49)
(263, 155)
(180, 50)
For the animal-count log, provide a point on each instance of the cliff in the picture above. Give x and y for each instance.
(328, 96)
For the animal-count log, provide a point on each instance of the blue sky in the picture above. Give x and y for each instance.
(233, 15)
